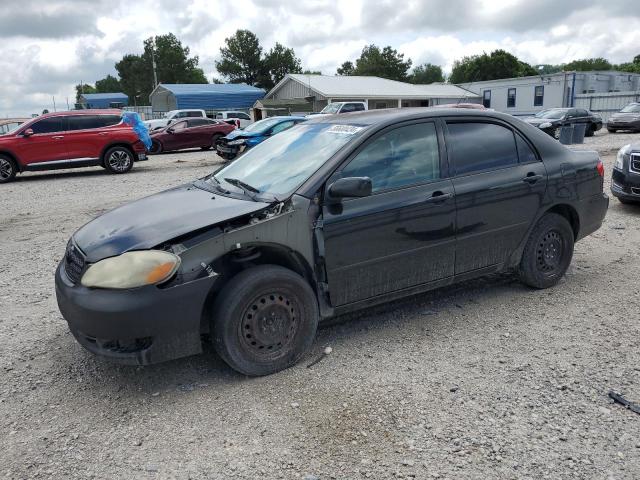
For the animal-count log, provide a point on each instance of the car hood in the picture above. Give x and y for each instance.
(242, 134)
(150, 221)
(625, 116)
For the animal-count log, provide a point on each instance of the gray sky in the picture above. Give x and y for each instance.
(49, 46)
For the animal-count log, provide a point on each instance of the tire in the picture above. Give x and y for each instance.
(548, 252)
(118, 160)
(555, 133)
(156, 148)
(590, 131)
(8, 169)
(214, 140)
(278, 335)
(611, 130)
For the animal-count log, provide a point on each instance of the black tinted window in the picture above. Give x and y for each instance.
(49, 125)
(198, 122)
(403, 156)
(525, 153)
(476, 147)
(244, 116)
(83, 122)
(194, 114)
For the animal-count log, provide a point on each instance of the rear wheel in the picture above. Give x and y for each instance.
(548, 252)
(118, 160)
(8, 169)
(264, 320)
(591, 131)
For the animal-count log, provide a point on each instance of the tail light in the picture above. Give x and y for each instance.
(600, 168)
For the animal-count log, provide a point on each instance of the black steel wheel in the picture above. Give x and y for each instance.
(8, 169)
(118, 160)
(548, 252)
(264, 320)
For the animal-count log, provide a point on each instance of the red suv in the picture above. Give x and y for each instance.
(81, 138)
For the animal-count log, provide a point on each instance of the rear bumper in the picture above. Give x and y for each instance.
(592, 211)
(139, 326)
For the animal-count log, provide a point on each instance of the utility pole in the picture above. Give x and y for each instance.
(54, 103)
(153, 62)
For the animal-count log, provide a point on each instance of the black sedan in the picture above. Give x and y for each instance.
(625, 178)
(333, 215)
(626, 119)
(552, 120)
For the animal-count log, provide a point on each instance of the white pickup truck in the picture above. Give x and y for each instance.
(240, 119)
(340, 107)
(173, 116)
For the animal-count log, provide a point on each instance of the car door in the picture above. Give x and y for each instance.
(175, 138)
(199, 132)
(87, 135)
(47, 144)
(402, 235)
(499, 184)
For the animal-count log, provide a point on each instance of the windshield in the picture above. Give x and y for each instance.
(553, 113)
(10, 127)
(279, 165)
(263, 124)
(631, 108)
(331, 108)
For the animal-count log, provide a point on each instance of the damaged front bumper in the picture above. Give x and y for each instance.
(138, 326)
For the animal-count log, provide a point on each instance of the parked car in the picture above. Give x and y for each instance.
(341, 107)
(625, 178)
(550, 121)
(173, 116)
(240, 141)
(239, 119)
(330, 216)
(10, 124)
(79, 138)
(626, 119)
(189, 133)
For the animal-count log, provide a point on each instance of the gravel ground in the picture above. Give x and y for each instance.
(488, 379)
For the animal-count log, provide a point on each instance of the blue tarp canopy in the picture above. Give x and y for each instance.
(104, 100)
(205, 96)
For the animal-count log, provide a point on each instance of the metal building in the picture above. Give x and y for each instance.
(103, 100)
(226, 96)
(528, 95)
(319, 90)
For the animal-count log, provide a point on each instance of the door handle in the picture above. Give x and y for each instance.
(58, 137)
(532, 178)
(438, 197)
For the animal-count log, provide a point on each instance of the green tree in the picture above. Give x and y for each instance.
(385, 63)
(312, 72)
(278, 62)
(497, 64)
(84, 88)
(347, 68)
(173, 65)
(108, 84)
(588, 64)
(427, 73)
(242, 59)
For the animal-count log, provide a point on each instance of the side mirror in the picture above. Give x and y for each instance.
(351, 187)
(27, 133)
(170, 130)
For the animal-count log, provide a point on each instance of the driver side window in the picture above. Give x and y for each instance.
(398, 158)
(281, 127)
(179, 126)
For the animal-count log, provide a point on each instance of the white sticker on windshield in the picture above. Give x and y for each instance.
(345, 129)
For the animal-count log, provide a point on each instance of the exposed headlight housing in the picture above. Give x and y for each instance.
(619, 165)
(545, 125)
(237, 142)
(132, 270)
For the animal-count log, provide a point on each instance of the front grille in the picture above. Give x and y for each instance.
(635, 191)
(73, 262)
(634, 164)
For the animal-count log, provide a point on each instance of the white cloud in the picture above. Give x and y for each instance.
(47, 49)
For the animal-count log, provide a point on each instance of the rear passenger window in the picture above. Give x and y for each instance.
(476, 147)
(84, 122)
(401, 157)
(49, 125)
(525, 153)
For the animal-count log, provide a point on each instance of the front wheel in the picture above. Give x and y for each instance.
(548, 252)
(264, 320)
(156, 147)
(8, 169)
(118, 160)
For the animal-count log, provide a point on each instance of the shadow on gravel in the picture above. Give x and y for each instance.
(345, 332)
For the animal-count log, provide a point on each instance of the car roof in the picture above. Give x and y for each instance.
(89, 111)
(391, 115)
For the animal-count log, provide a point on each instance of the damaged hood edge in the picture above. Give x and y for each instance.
(152, 220)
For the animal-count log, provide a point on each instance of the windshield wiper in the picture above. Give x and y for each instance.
(248, 189)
